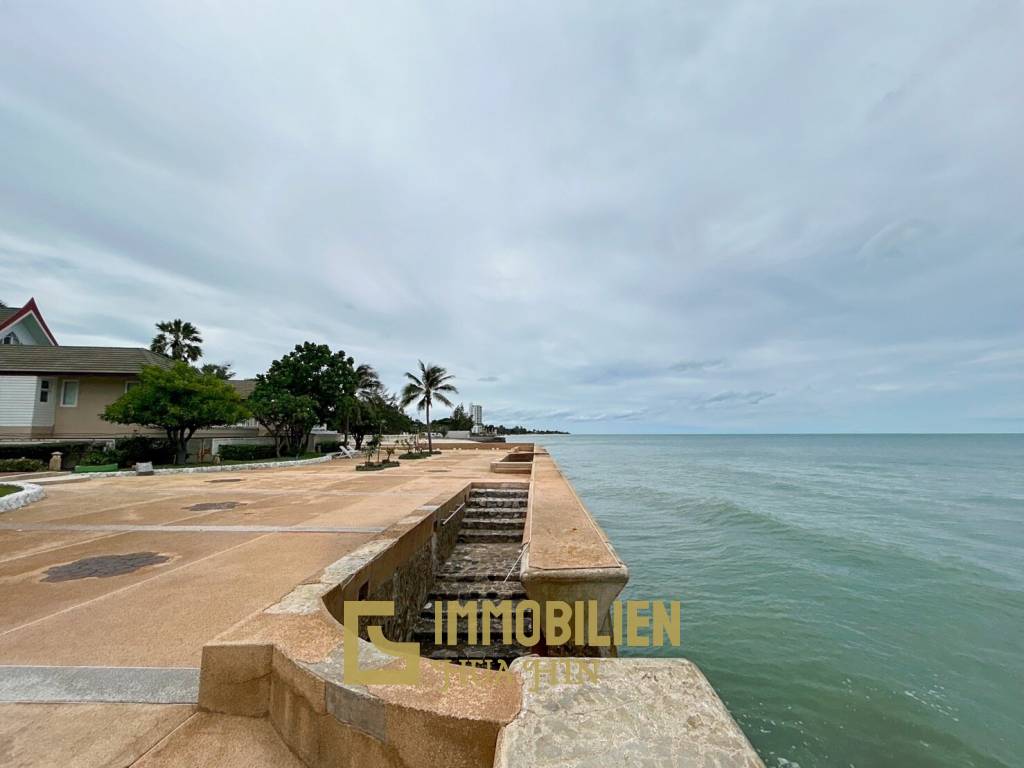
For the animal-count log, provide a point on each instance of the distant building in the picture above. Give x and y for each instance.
(477, 414)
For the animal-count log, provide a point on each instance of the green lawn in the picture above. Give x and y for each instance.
(6, 490)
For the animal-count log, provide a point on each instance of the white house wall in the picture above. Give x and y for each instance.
(19, 402)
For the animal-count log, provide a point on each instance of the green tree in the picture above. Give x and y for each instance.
(178, 340)
(220, 370)
(379, 413)
(179, 400)
(460, 420)
(433, 383)
(287, 417)
(314, 370)
(365, 384)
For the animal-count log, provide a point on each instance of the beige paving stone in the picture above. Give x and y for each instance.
(221, 741)
(83, 735)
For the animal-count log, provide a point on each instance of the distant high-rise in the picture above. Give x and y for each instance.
(477, 412)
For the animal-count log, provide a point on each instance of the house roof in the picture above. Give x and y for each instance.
(243, 387)
(10, 315)
(26, 359)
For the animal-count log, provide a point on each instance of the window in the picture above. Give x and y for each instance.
(130, 385)
(44, 391)
(11, 338)
(69, 394)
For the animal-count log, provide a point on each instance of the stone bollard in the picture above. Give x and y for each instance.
(216, 458)
(144, 468)
(55, 461)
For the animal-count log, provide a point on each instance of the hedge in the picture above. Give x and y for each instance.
(246, 452)
(328, 446)
(21, 465)
(72, 452)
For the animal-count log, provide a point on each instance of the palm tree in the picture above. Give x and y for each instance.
(432, 384)
(177, 340)
(367, 384)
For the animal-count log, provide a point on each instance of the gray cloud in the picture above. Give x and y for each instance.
(577, 227)
(734, 398)
(696, 366)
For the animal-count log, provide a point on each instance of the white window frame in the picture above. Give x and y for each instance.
(11, 339)
(44, 389)
(64, 389)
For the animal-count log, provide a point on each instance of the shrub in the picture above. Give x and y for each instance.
(129, 451)
(72, 452)
(97, 459)
(246, 452)
(21, 465)
(328, 446)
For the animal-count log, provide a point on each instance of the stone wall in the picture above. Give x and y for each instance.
(405, 572)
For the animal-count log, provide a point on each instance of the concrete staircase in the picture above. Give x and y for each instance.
(483, 566)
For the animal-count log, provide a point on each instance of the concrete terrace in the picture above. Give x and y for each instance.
(195, 620)
(130, 577)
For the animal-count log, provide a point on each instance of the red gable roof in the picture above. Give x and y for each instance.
(29, 309)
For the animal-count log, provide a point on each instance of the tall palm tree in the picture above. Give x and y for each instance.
(432, 384)
(178, 340)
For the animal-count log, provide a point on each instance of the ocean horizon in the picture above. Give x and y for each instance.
(856, 599)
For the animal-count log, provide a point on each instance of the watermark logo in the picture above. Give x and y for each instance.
(633, 623)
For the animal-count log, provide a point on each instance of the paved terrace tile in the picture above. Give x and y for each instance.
(143, 571)
(110, 575)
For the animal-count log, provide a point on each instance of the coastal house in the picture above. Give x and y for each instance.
(53, 392)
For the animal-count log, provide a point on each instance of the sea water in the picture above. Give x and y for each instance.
(856, 600)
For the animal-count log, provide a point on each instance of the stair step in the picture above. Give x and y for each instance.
(423, 629)
(479, 590)
(496, 514)
(494, 523)
(446, 575)
(509, 504)
(477, 536)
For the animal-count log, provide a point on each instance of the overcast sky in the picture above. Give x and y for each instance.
(700, 216)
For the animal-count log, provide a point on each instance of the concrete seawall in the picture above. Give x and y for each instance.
(287, 663)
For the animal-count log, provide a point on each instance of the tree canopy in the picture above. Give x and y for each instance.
(379, 412)
(220, 370)
(286, 416)
(460, 420)
(317, 372)
(179, 400)
(178, 340)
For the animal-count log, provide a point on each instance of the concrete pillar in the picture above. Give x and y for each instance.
(55, 461)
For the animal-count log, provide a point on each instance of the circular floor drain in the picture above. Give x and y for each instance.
(209, 506)
(104, 566)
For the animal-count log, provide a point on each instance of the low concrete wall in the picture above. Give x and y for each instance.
(29, 492)
(519, 461)
(650, 712)
(568, 557)
(286, 663)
